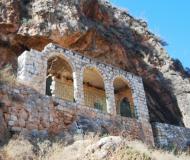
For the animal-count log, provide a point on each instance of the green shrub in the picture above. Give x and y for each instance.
(7, 76)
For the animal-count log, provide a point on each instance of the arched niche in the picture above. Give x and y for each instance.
(123, 98)
(59, 81)
(94, 89)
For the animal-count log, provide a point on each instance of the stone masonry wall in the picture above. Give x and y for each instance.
(28, 112)
(32, 69)
(171, 136)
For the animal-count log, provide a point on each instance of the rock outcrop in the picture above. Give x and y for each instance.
(104, 147)
(99, 30)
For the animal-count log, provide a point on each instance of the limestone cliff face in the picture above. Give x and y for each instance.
(97, 29)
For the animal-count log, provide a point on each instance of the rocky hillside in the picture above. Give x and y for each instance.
(97, 29)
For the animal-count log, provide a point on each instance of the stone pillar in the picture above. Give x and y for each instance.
(32, 70)
(110, 97)
(139, 97)
(78, 87)
(141, 109)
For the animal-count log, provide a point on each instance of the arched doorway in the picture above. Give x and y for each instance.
(123, 98)
(59, 82)
(94, 91)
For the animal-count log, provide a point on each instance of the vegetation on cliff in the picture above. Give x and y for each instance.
(7, 76)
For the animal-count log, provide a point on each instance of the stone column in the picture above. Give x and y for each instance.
(78, 87)
(110, 97)
(32, 70)
(140, 100)
(141, 109)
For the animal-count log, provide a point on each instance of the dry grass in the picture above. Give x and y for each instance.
(135, 150)
(7, 76)
(17, 149)
(22, 149)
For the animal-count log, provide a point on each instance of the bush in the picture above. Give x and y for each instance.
(130, 154)
(17, 149)
(7, 76)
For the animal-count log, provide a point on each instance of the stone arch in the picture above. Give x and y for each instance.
(123, 93)
(61, 70)
(124, 78)
(97, 68)
(49, 55)
(94, 87)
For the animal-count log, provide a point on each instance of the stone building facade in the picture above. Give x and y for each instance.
(33, 72)
(74, 93)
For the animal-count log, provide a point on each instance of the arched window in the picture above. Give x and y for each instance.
(94, 92)
(59, 82)
(123, 98)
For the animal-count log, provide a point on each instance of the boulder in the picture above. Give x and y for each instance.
(103, 147)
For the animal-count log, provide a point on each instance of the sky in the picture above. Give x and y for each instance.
(169, 19)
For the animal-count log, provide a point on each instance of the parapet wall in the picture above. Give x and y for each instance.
(171, 136)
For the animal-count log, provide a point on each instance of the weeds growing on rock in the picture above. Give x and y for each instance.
(7, 76)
